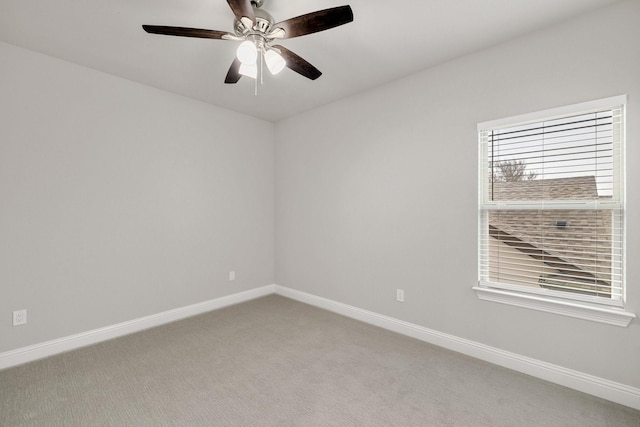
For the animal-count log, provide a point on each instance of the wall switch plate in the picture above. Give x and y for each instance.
(19, 317)
(400, 295)
(232, 276)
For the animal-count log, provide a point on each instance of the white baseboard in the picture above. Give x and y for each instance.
(596, 386)
(610, 390)
(72, 342)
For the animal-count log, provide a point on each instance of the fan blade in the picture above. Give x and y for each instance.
(298, 64)
(315, 21)
(186, 32)
(233, 75)
(242, 8)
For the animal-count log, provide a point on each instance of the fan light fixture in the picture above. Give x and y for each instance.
(247, 52)
(275, 61)
(249, 70)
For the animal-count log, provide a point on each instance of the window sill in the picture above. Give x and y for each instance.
(608, 315)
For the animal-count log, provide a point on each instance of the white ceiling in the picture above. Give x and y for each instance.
(387, 41)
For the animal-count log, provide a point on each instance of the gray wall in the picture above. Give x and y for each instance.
(379, 191)
(120, 201)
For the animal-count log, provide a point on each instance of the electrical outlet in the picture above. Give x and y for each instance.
(400, 295)
(232, 276)
(19, 317)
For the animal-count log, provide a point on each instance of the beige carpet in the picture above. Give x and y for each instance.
(277, 362)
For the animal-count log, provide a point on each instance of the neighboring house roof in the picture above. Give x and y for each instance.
(574, 188)
(571, 242)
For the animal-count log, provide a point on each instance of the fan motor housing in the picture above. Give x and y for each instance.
(263, 24)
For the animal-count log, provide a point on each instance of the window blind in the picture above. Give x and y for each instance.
(551, 205)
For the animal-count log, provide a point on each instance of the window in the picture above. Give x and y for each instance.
(551, 211)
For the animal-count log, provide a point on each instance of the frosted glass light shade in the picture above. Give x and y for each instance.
(275, 62)
(249, 70)
(247, 52)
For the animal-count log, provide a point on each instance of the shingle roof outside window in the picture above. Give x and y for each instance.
(581, 248)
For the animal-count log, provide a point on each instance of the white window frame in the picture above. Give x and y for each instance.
(583, 307)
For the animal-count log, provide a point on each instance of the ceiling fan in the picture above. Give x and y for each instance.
(258, 30)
